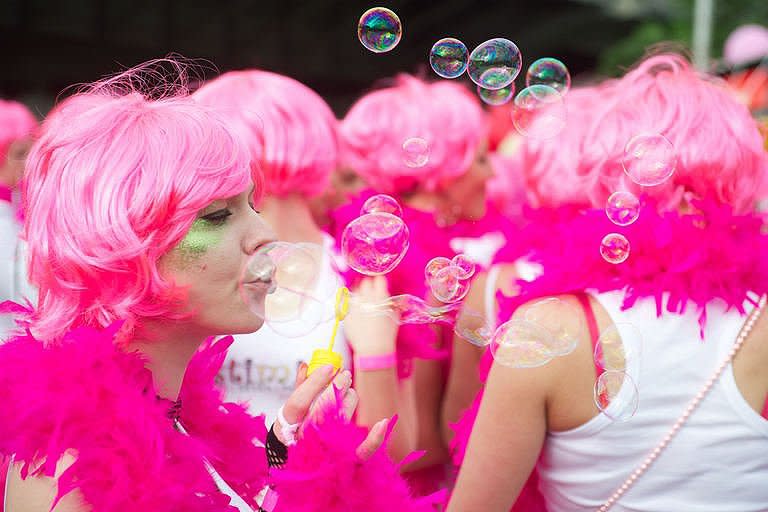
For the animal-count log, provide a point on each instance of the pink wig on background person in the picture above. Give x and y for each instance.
(16, 122)
(445, 114)
(719, 152)
(290, 131)
(745, 45)
(144, 168)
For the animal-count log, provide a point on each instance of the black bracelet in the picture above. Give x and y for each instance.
(277, 452)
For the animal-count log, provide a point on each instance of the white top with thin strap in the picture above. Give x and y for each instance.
(719, 460)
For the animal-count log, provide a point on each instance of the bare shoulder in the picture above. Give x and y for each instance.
(37, 494)
(750, 365)
(565, 382)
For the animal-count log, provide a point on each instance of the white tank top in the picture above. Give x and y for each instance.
(9, 234)
(718, 462)
(260, 368)
(14, 284)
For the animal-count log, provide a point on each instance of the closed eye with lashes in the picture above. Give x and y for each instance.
(217, 217)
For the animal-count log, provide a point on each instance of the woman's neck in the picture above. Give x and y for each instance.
(168, 352)
(424, 201)
(291, 218)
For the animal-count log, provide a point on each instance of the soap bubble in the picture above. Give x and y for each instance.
(434, 266)
(614, 248)
(495, 63)
(521, 344)
(382, 203)
(291, 272)
(379, 29)
(375, 243)
(449, 57)
(409, 309)
(649, 159)
(466, 266)
(474, 328)
(550, 72)
(622, 208)
(448, 280)
(539, 112)
(448, 286)
(415, 152)
(616, 395)
(560, 318)
(618, 347)
(496, 97)
(414, 310)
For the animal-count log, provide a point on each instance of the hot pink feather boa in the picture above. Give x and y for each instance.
(86, 395)
(325, 467)
(691, 259)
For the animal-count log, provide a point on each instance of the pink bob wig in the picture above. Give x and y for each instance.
(290, 130)
(114, 182)
(16, 123)
(444, 114)
(719, 150)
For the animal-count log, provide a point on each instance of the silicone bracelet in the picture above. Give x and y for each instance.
(286, 429)
(375, 362)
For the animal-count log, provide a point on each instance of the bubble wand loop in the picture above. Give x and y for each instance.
(326, 356)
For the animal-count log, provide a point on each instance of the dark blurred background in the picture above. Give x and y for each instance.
(49, 45)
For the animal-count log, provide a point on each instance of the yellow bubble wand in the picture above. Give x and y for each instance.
(326, 356)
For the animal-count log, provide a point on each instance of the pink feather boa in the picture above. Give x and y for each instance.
(711, 254)
(88, 396)
(324, 473)
(694, 258)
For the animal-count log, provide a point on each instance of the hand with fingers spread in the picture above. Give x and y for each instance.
(316, 393)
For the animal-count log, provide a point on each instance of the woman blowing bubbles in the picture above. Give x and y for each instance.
(139, 225)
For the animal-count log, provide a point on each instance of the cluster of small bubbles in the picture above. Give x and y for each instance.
(614, 248)
(449, 57)
(415, 152)
(649, 159)
(376, 242)
(290, 271)
(496, 97)
(379, 29)
(539, 112)
(473, 327)
(617, 350)
(495, 63)
(550, 72)
(616, 395)
(622, 208)
(448, 280)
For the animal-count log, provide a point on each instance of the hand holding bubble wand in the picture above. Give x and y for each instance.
(326, 356)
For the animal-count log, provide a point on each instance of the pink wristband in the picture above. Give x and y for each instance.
(375, 362)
